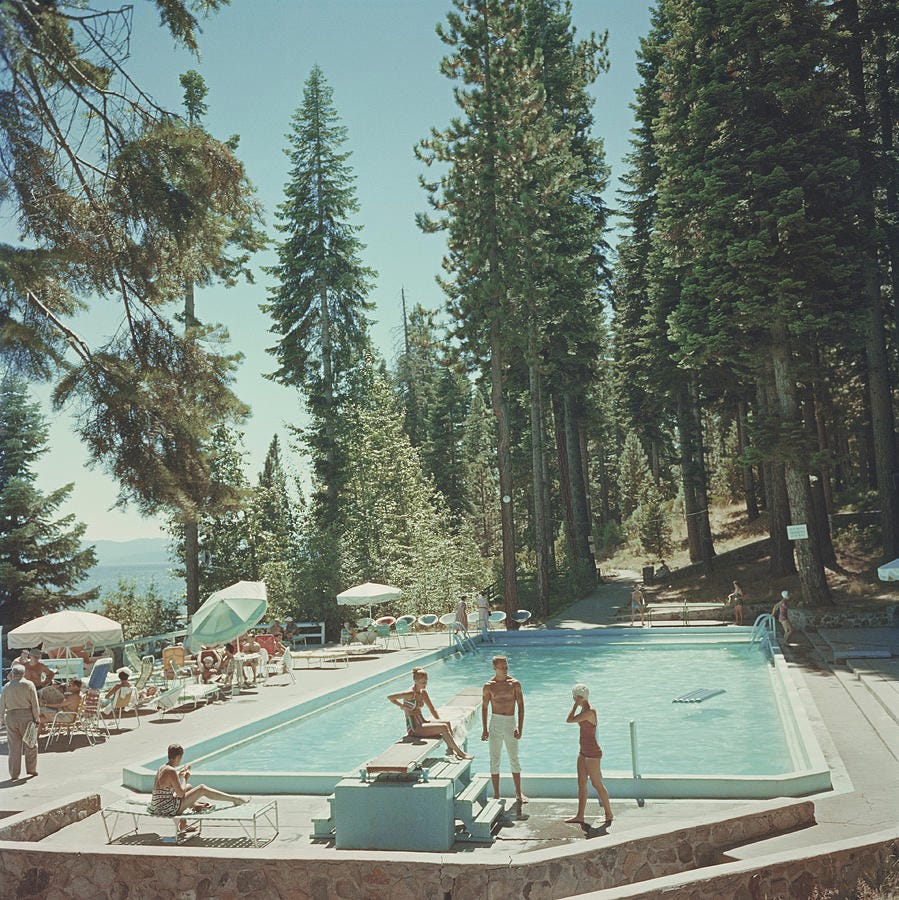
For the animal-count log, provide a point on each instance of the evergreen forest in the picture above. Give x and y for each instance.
(606, 369)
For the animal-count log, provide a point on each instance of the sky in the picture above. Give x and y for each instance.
(381, 58)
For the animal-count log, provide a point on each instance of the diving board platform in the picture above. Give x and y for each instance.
(419, 789)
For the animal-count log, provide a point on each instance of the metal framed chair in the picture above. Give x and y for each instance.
(429, 620)
(385, 635)
(522, 617)
(496, 619)
(124, 699)
(404, 631)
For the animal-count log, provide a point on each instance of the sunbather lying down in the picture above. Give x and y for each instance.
(173, 794)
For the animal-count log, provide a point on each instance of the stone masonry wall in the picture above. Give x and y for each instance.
(150, 872)
(835, 867)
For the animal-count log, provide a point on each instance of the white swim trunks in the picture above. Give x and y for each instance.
(502, 731)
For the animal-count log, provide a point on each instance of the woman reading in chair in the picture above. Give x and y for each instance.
(413, 702)
(173, 794)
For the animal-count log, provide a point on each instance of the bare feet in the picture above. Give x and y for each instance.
(461, 755)
(239, 801)
(574, 820)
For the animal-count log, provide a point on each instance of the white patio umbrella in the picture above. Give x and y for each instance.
(67, 628)
(228, 613)
(368, 594)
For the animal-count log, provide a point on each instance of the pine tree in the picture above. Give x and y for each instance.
(633, 475)
(42, 558)
(509, 169)
(651, 520)
(273, 523)
(117, 199)
(319, 304)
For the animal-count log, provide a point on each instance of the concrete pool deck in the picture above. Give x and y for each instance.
(855, 715)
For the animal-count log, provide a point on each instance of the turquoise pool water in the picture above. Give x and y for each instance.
(738, 732)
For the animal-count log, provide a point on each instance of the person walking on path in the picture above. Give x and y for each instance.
(589, 757)
(781, 612)
(503, 696)
(19, 706)
(638, 604)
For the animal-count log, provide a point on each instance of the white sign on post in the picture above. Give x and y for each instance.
(797, 532)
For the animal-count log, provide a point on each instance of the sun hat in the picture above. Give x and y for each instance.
(126, 670)
(785, 595)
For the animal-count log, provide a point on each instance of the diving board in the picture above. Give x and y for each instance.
(698, 695)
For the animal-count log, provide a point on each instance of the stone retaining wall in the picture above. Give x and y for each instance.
(55, 873)
(833, 867)
(43, 821)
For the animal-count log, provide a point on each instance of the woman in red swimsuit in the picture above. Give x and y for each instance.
(589, 757)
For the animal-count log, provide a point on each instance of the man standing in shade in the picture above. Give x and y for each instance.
(19, 706)
(504, 697)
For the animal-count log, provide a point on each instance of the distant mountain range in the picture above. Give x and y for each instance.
(144, 561)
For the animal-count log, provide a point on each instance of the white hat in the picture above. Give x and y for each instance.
(785, 595)
(126, 670)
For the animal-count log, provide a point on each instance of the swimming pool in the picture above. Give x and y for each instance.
(752, 738)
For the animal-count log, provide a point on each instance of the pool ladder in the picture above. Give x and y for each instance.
(764, 633)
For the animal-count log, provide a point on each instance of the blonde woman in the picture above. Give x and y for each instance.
(588, 760)
(413, 702)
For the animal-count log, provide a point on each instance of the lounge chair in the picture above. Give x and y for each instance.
(131, 657)
(176, 663)
(521, 617)
(101, 669)
(123, 700)
(64, 722)
(283, 665)
(89, 721)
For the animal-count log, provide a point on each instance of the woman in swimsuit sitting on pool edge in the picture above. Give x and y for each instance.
(589, 757)
(173, 795)
(413, 702)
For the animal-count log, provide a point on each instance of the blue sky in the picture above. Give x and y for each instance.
(381, 58)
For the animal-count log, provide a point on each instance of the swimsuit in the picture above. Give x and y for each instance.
(502, 731)
(589, 747)
(163, 803)
(414, 718)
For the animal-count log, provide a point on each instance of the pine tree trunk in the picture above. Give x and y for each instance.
(541, 549)
(564, 479)
(775, 487)
(504, 466)
(576, 481)
(808, 554)
(817, 485)
(702, 481)
(696, 513)
(749, 488)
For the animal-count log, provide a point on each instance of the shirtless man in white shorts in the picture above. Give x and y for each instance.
(504, 697)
